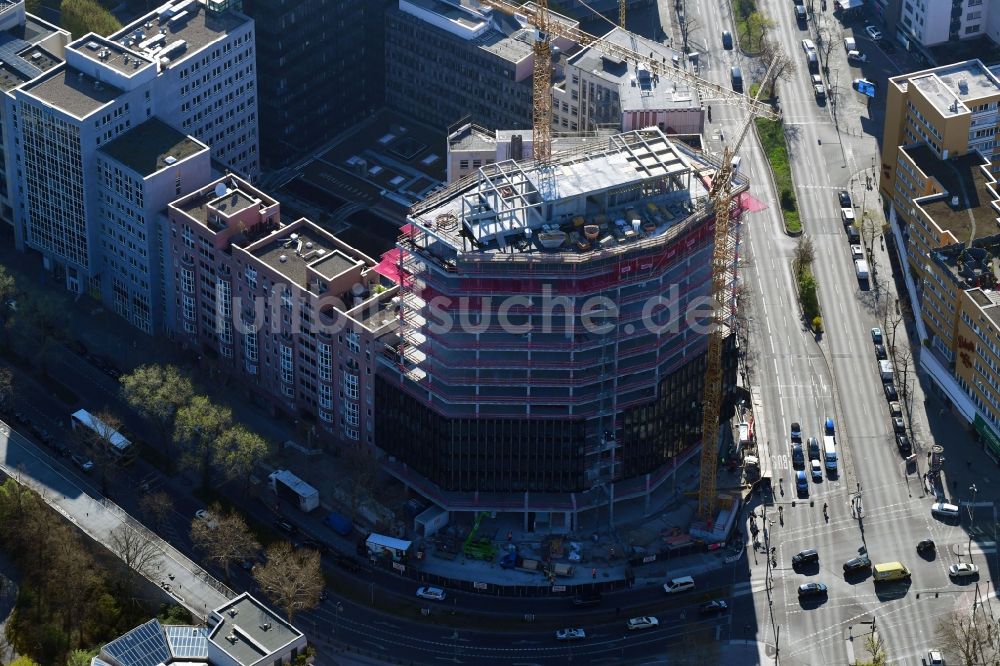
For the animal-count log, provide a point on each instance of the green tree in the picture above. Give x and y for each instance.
(82, 16)
(81, 657)
(197, 426)
(24, 661)
(237, 452)
(6, 386)
(291, 579)
(157, 392)
(807, 293)
(224, 539)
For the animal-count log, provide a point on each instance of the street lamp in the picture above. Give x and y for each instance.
(972, 516)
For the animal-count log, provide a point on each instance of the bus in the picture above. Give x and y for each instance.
(120, 446)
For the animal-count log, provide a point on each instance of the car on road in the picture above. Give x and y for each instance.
(880, 353)
(853, 235)
(903, 444)
(798, 459)
(805, 557)
(926, 546)
(813, 448)
(817, 83)
(812, 590)
(727, 40)
(796, 432)
(860, 563)
(570, 634)
(873, 32)
(83, 462)
(944, 510)
(890, 392)
(801, 483)
(808, 46)
(816, 469)
(644, 622)
(713, 606)
(895, 409)
(877, 336)
(857, 252)
(432, 593)
(844, 198)
(898, 424)
(286, 527)
(934, 658)
(963, 570)
(856, 56)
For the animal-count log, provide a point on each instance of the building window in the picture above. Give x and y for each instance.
(324, 361)
(325, 396)
(187, 280)
(287, 372)
(251, 274)
(250, 344)
(350, 385)
(352, 414)
(354, 342)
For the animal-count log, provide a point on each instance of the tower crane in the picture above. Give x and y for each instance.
(621, 13)
(720, 195)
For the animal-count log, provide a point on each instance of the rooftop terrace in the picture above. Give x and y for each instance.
(152, 146)
(953, 89)
(73, 92)
(975, 215)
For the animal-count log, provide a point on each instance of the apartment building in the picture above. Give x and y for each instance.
(296, 39)
(28, 47)
(501, 395)
(289, 309)
(446, 60)
(599, 90)
(929, 23)
(190, 65)
(243, 632)
(940, 128)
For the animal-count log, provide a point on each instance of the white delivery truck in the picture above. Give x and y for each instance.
(829, 453)
(861, 268)
(885, 369)
(290, 487)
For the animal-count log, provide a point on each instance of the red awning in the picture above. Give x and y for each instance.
(389, 266)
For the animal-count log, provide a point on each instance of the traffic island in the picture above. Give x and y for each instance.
(772, 137)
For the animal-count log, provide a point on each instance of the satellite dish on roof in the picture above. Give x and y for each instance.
(220, 189)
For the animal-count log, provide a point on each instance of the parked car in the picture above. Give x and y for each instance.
(805, 557)
(844, 198)
(860, 563)
(816, 469)
(808, 46)
(857, 252)
(873, 32)
(877, 336)
(895, 409)
(83, 462)
(714, 606)
(315, 544)
(903, 444)
(286, 527)
(944, 509)
(644, 622)
(963, 570)
(570, 634)
(727, 40)
(812, 590)
(432, 593)
(856, 56)
(934, 658)
(880, 353)
(890, 392)
(853, 235)
(206, 517)
(926, 546)
(898, 424)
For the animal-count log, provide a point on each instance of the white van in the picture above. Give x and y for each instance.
(737, 161)
(885, 370)
(682, 584)
(850, 44)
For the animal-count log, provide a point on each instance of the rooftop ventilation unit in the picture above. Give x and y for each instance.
(963, 86)
(169, 159)
(283, 258)
(92, 45)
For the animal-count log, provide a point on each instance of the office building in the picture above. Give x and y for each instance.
(599, 90)
(289, 309)
(28, 47)
(503, 393)
(446, 60)
(243, 632)
(320, 68)
(930, 22)
(191, 66)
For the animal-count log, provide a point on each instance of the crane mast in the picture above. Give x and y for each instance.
(621, 13)
(541, 102)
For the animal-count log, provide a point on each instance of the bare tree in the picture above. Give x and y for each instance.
(688, 23)
(826, 38)
(876, 648)
(138, 551)
(890, 323)
(782, 66)
(804, 254)
(969, 635)
(291, 579)
(870, 228)
(157, 507)
(224, 538)
(905, 364)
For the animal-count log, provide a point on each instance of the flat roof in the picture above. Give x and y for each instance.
(291, 257)
(152, 146)
(21, 59)
(73, 92)
(185, 21)
(954, 88)
(250, 632)
(111, 54)
(238, 195)
(975, 216)
(989, 303)
(637, 88)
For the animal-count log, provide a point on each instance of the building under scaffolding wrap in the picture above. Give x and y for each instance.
(549, 358)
